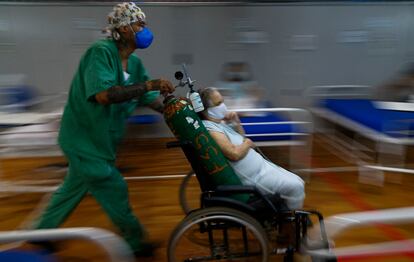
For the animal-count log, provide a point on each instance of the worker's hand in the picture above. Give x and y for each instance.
(232, 117)
(164, 86)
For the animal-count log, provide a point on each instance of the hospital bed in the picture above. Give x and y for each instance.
(28, 121)
(384, 219)
(289, 127)
(267, 125)
(29, 134)
(389, 129)
(115, 247)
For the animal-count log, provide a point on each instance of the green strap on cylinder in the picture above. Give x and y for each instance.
(187, 126)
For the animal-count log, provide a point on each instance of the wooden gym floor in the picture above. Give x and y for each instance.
(155, 201)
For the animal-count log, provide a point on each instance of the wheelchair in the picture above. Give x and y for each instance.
(226, 229)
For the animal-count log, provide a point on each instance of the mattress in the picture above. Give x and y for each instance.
(268, 124)
(393, 123)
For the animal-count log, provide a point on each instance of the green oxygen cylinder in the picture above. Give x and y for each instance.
(187, 126)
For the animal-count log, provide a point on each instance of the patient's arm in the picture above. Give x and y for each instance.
(233, 119)
(230, 151)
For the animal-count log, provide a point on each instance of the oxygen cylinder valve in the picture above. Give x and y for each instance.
(179, 76)
(192, 95)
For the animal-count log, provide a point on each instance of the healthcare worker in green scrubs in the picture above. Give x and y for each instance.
(109, 83)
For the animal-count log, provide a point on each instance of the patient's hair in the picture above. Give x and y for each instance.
(205, 95)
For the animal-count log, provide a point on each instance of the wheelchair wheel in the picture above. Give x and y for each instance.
(185, 204)
(218, 233)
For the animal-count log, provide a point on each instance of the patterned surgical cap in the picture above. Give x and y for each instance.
(125, 14)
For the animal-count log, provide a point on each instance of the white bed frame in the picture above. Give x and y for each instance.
(351, 91)
(114, 246)
(384, 144)
(337, 224)
(296, 116)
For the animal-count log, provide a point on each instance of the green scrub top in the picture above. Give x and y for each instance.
(87, 127)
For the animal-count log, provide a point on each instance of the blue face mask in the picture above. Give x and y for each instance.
(143, 38)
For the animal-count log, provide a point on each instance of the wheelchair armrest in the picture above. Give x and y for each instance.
(236, 189)
(229, 202)
(239, 189)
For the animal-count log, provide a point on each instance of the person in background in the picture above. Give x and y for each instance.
(239, 88)
(399, 89)
(108, 85)
(251, 167)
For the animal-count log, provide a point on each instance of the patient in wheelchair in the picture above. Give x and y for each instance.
(251, 167)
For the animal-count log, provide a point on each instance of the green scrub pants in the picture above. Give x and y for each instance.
(106, 184)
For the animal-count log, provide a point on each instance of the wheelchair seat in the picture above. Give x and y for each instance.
(258, 205)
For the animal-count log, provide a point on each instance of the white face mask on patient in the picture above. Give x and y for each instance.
(217, 112)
